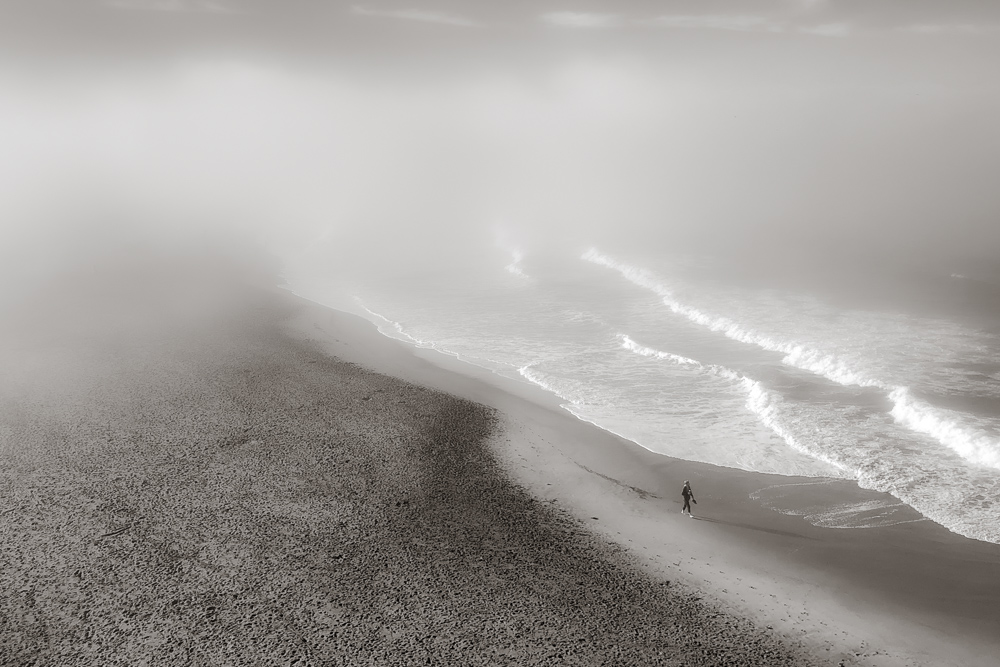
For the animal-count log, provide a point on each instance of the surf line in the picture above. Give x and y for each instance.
(911, 413)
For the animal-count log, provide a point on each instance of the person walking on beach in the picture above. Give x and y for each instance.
(688, 498)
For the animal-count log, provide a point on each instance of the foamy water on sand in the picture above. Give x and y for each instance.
(686, 363)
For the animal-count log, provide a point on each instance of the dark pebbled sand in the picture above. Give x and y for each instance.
(181, 483)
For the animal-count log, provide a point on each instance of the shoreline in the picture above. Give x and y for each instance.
(895, 594)
(201, 471)
(185, 483)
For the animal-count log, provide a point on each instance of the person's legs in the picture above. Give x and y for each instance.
(687, 506)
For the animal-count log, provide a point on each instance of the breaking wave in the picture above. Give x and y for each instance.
(973, 444)
(514, 267)
(761, 402)
(631, 345)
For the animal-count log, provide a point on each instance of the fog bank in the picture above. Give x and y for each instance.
(792, 140)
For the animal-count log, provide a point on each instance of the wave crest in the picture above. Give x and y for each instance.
(761, 402)
(973, 445)
(514, 267)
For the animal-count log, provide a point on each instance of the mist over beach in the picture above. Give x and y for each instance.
(615, 246)
(806, 129)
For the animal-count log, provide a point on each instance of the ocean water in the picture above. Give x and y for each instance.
(889, 379)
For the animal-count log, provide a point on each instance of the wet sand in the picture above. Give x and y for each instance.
(186, 482)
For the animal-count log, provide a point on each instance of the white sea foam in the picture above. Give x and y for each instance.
(869, 514)
(529, 375)
(761, 402)
(577, 409)
(640, 277)
(515, 265)
(971, 444)
(630, 344)
(583, 317)
(796, 355)
(397, 329)
(876, 513)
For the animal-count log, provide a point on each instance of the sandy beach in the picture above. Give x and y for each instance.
(199, 470)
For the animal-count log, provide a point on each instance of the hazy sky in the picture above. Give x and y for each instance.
(349, 123)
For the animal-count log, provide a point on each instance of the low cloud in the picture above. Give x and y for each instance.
(737, 22)
(950, 28)
(419, 15)
(827, 29)
(189, 6)
(808, 5)
(581, 20)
